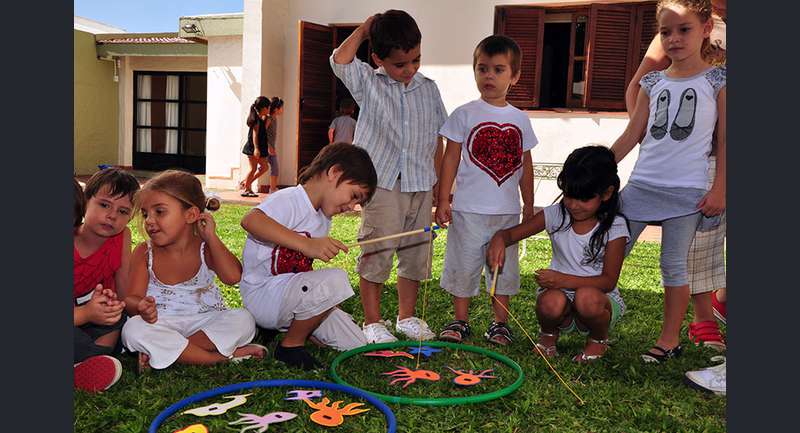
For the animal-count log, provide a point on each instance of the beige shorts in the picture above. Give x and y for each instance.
(706, 260)
(388, 213)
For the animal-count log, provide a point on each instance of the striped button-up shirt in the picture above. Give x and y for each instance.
(398, 125)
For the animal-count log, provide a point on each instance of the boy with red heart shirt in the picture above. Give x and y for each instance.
(488, 155)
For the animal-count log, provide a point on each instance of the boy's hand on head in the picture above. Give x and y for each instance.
(323, 248)
(367, 24)
(548, 278)
(444, 213)
(496, 253)
(713, 203)
(206, 226)
(147, 309)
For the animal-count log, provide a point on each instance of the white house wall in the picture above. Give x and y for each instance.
(145, 63)
(224, 120)
(450, 31)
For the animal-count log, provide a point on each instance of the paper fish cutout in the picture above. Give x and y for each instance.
(194, 428)
(389, 354)
(261, 423)
(410, 376)
(331, 416)
(425, 351)
(301, 394)
(219, 408)
(469, 378)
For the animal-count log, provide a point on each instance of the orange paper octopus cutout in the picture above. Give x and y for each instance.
(332, 416)
(469, 378)
(410, 376)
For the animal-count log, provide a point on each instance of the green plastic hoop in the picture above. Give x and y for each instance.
(424, 401)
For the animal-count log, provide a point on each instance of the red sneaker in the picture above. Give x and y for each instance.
(97, 373)
(718, 307)
(707, 333)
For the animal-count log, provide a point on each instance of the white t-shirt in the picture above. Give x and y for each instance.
(570, 250)
(493, 140)
(677, 142)
(267, 266)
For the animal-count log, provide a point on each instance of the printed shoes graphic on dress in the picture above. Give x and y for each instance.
(683, 124)
(660, 120)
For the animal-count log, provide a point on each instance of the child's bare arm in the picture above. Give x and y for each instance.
(438, 157)
(218, 257)
(612, 265)
(136, 299)
(121, 277)
(266, 229)
(635, 129)
(348, 49)
(714, 201)
(655, 59)
(330, 135)
(449, 168)
(496, 252)
(526, 186)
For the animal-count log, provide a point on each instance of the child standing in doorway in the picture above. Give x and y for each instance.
(488, 154)
(398, 125)
(343, 126)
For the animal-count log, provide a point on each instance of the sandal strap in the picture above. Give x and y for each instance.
(604, 342)
(500, 328)
(459, 326)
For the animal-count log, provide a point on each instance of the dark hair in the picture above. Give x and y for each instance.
(393, 29)
(120, 183)
(258, 104)
(274, 104)
(499, 44)
(79, 198)
(354, 161)
(181, 185)
(347, 106)
(588, 172)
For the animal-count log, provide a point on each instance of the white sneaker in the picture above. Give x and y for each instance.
(711, 379)
(377, 332)
(414, 328)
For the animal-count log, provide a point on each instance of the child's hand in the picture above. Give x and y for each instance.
(271, 150)
(366, 25)
(713, 203)
(548, 278)
(206, 226)
(256, 153)
(323, 248)
(102, 309)
(147, 309)
(496, 253)
(443, 213)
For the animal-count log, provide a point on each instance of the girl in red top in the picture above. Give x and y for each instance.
(101, 253)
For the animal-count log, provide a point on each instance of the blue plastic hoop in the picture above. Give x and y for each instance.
(391, 421)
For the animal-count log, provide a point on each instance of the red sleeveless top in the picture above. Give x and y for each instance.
(98, 268)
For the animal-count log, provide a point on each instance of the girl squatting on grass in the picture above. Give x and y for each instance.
(177, 311)
(284, 234)
(588, 236)
(676, 112)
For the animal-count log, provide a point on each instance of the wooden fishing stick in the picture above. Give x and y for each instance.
(394, 236)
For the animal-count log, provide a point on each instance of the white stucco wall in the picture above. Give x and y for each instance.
(224, 137)
(144, 63)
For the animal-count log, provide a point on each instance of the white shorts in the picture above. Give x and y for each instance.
(309, 294)
(468, 238)
(165, 340)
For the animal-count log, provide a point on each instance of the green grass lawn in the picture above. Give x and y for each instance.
(622, 394)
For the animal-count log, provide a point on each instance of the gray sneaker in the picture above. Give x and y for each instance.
(414, 328)
(378, 333)
(712, 379)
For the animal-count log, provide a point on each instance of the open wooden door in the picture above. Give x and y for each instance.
(316, 91)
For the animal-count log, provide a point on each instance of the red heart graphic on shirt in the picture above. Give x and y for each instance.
(286, 260)
(496, 149)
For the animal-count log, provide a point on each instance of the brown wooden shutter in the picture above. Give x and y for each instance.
(526, 26)
(611, 32)
(646, 29)
(316, 91)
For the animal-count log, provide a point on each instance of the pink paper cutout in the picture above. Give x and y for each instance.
(300, 394)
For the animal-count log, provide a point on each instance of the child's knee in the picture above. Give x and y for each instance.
(674, 271)
(590, 302)
(551, 304)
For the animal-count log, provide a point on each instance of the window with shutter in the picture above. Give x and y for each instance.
(599, 67)
(526, 27)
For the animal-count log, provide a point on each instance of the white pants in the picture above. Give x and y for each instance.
(165, 340)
